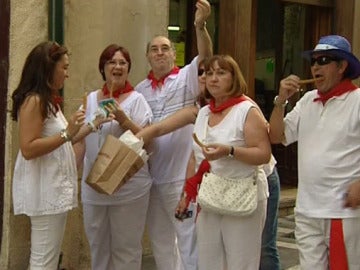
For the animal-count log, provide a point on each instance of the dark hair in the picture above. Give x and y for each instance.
(36, 77)
(226, 62)
(108, 53)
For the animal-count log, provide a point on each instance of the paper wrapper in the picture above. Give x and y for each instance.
(118, 160)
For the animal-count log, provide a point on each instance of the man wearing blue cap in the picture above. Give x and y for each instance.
(326, 124)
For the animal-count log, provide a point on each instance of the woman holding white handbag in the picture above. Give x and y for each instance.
(236, 142)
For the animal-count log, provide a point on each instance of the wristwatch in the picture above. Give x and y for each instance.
(231, 153)
(277, 104)
(65, 135)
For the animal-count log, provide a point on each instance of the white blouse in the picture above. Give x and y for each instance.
(46, 184)
(229, 131)
(137, 109)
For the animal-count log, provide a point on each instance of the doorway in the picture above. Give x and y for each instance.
(284, 30)
(181, 29)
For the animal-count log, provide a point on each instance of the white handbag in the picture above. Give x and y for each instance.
(227, 196)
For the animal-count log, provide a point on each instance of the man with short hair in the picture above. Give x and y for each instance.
(326, 124)
(168, 89)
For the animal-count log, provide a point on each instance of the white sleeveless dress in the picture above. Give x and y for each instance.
(46, 184)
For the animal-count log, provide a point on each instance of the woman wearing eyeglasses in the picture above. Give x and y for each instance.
(269, 253)
(114, 224)
(235, 134)
(325, 124)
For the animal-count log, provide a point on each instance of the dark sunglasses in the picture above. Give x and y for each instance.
(323, 60)
(201, 71)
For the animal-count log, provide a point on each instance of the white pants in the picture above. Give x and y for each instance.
(115, 233)
(313, 237)
(228, 242)
(46, 238)
(168, 236)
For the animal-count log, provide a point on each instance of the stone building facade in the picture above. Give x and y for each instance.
(89, 26)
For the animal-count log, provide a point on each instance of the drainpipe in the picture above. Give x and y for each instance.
(56, 21)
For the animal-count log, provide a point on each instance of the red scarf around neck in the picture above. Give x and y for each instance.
(342, 88)
(228, 103)
(126, 89)
(159, 82)
(56, 100)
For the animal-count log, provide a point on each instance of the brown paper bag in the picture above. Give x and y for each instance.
(115, 164)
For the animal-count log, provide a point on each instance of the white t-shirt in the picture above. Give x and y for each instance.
(138, 111)
(46, 184)
(229, 131)
(171, 152)
(328, 152)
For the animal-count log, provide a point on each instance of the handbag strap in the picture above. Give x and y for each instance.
(206, 127)
(256, 174)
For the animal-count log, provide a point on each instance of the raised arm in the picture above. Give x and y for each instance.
(288, 87)
(177, 120)
(204, 43)
(277, 127)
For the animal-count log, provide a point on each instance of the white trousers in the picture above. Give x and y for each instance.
(313, 237)
(168, 236)
(115, 233)
(47, 233)
(228, 242)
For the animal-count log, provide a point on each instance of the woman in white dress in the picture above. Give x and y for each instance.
(45, 176)
(235, 134)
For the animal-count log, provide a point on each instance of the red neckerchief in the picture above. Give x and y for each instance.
(155, 82)
(128, 88)
(337, 250)
(342, 88)
(56, 100)
(228, 103)
(192, 183)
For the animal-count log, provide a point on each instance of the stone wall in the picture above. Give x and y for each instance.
(89, 27)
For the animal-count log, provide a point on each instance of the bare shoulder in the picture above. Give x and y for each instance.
(32, 104)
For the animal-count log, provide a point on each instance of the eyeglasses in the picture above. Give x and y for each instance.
(323, 60)
(201, 71)
(114, 63)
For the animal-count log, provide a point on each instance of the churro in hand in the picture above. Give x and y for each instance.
(198, 142)
(307, 81)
